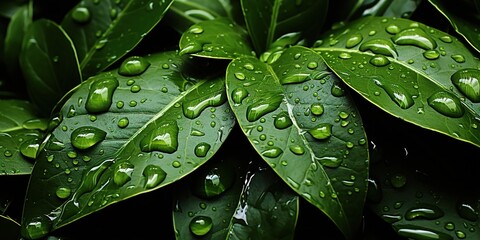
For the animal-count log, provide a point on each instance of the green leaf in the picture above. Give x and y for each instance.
(104, 31)
(299, 118)
(10, 228)
(21, 132)
(267, 20)
(49, 64)
(412, 71)
(219, 38)
(463, 18)
(229, 200)
(122, 133)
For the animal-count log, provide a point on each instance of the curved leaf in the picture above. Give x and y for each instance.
(242, 199)
(267, 20)
(300, 120)
(105, 31)
(49, 64)
(412, 71)
(464, 19)
(21, 133)
(219, 38)
(122, 133)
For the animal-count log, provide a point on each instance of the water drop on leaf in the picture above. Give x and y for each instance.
(415, 36)
(200, 225)
(321, 131)
(133, 66)
(100, 94)
(446, 104)
(154, 176)
(467, 82)
(86, 137)
(164, 138)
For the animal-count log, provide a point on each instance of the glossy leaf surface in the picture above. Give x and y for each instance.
(300, 119)
(463, 18)
(410, 70)
(236, 194)
(267, 20)
(120, 135)
(105, 31)
(49, 64)
(21, 132)
(219, 38)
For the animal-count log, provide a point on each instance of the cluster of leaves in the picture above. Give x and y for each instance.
(240, 119)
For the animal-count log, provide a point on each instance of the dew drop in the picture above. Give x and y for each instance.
(133, 66)
(191, 48)
(331, 162)
(392, 29)
(337, 91)
(415, 36)
(122, 173)
(446, 39)
(379, 46)
(354, 40)
(100, 94)
(322, 131)
(154, 175)
(398, 180)
(344, 55)
(195, 104)
(196, 29)
(416, 232)
(123, 122)
(312, 65)
(458, 58)
(81, 15)
(200, 225)
(263, 106)
(431, 54)
(317, 109)
(424, 211)
(467, 82)
(398, 94)
(37, 227)
(240, 76)
(467, 211)
(446, 104)
(202, 149)
(379, 61)
(86, 137)
(249, 66)
(63, 192)
(272, 152)
(214, 182)
(295, 78)
(29, 148)
(164, 138)
(282, 120)
(297, 149)
(238, 94)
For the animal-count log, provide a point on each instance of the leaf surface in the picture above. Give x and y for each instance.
(122, 133)
(300, 119)
(412, 71)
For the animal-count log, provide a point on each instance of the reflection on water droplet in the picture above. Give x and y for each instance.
(322, 131)
(337, 91)
(81, 15)
(392, 29)
(263, 106)
(100, 94)
(164, 138)
(37, 227)
(282, 120)
(191, 48)
(29, 148)
(238, 94)
(458, 58)
(424, 211)
(431, 54)
(214, 182)
(297, 149)
(122, 173)
(295, 78)
(86, 137)
(239, 76)
(379, 61)
(354, 40)
(195, 104)
(63, 192)
(133, 65)
(123, 122)
(415, 36)
(272, 152)
(202, 149)
(398, 180)
(154, 176)
(446, 104)
(398, 94)
(195, 29)
(446, 39)
(466, 209)
(316, 109)
(200, 225)
(331, 162)
(416, 232)
(379, 46)
(467, 82)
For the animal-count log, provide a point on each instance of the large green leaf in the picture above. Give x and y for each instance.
(21, 132)
(49, 64)
(122, 133)
(463, 18)
(229, 200)
(105, 31)
(267, 20)
(300, 119)
(219, 38)
(410, 70)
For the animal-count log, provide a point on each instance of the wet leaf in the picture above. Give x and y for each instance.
(120, 135)
(21, 132)
(300, 119)
(463, 18)
(219, 38)
(268, 20)
(412, 71)
(251, 196)
(104, 31)
(49, 64)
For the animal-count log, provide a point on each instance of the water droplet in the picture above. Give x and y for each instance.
(312, 65)
(344, 55)
(100, 94)
(200, 225)
(379, 46)
(123, 122)
(331, 162)
(37, 227)
(322, 131)
(295, 78)
(238, 94)
(195, 104)
(446, 39)
(446, 104)
(81, 15)
(424, 211)
(431, 54)
(215, 181)
(416, 232)
(282, 120)
(249, 66)
(36, 123)
(240, 76)
(63, 192)
(415, 36)
(449, 226)
(122, 173)
(29, 148)
(195, 29)
(272, 152)
(354, 40)
(86, 137)
(466, 209)
(316, 109)
(263, 106)
(164, 138)
(135, 89)
(133, 65)
(154, 176)
(193, 47)
(458, 58)
(467, 82)
(392, 29)
(202, 149)
(398, 94)
(379, 61)
(398, 180)
(297, 149)
(460, 234)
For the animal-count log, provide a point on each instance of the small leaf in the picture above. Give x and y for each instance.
(104, 31)
(49, 64)
(268, 20)
(219, 38)
(412, 71)
(300, 119)
(153, 129)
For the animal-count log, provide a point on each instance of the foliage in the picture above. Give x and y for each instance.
(238, 119)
